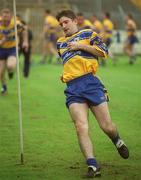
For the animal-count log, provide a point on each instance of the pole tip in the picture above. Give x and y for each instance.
(22, 159)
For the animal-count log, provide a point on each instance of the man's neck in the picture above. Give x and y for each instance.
(76, 31)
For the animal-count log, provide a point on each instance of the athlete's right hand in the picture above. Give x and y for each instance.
(73, 46)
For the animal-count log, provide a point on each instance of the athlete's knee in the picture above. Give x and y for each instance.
(81, 127)
(11, 67)
(11, 63)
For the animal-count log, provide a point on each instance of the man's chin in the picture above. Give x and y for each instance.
(68, 34)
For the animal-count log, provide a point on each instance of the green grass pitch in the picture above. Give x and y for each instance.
(51, 150)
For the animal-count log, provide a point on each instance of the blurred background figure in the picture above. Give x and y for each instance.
(131, 38)
(83, 23)
(26, 53)
(107, 34)
(97, 24)
(49, 35)
(8, 46)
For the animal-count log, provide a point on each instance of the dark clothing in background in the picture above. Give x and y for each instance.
(26, 54)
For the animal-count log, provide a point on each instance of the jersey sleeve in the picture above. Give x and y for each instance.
(97, 42)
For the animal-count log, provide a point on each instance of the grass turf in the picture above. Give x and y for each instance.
(51, 150)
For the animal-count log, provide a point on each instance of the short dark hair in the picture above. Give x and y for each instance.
(48, 11)
(130, 16)
(107, 14)
(67, 13)
(80, 14)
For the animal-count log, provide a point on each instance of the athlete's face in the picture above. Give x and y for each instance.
(94, 18)
(68, 25)
(126, 18)
(6, 16)
(80, 20)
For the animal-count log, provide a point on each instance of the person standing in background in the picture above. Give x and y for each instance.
(49, 37)
(97, 24)
(131, 38)
(107, 34)
(26, 53)
(83, 23)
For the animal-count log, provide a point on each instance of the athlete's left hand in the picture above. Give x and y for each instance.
(73, 46)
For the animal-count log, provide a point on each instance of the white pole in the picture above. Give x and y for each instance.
(19, 87)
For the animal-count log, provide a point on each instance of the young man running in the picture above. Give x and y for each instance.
(8, 46)
(79, 51)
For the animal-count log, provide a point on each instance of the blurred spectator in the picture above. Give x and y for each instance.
(26, 53)
(131, 28)
(83, 23)
(97, 25)
(49, 34)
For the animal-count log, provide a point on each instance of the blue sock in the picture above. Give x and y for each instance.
(91, 162)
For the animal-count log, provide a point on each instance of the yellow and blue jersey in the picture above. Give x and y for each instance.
(51, 21)
(51, 28)
(97, 26)
(108, 27)
(78, 63)
(86, 24)
(9, 33)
